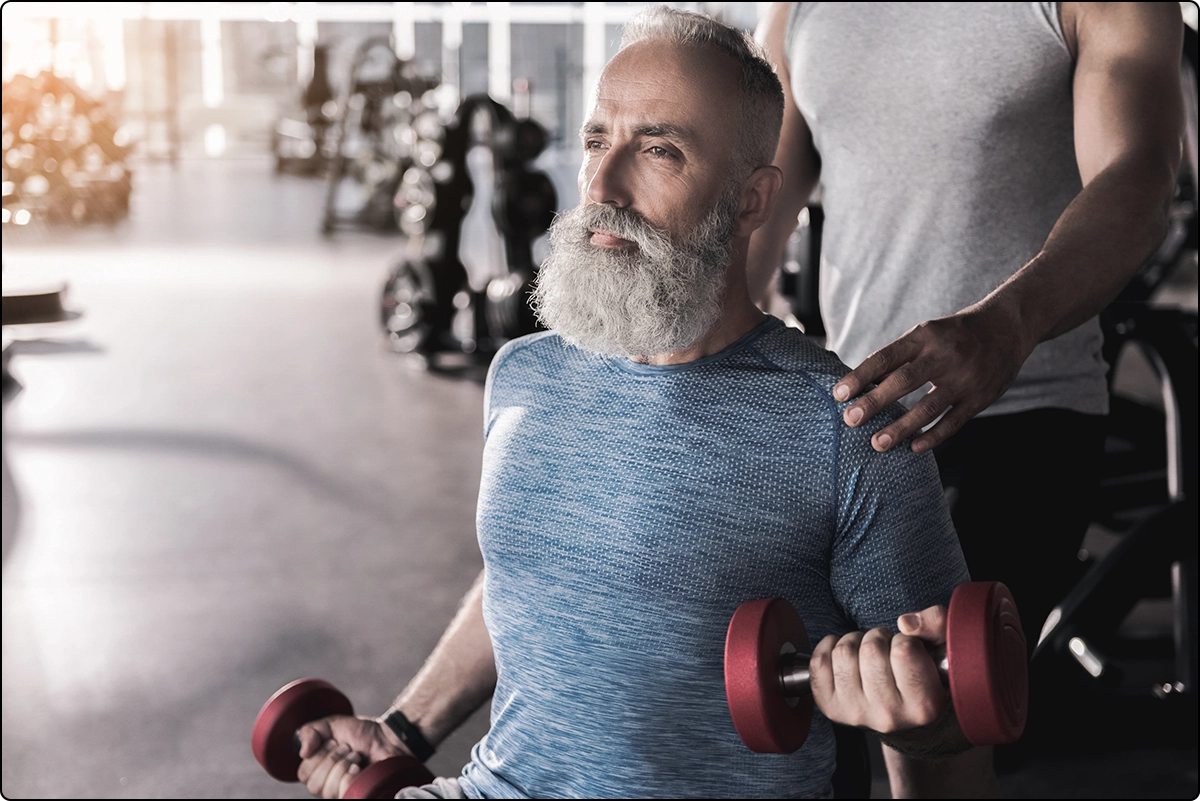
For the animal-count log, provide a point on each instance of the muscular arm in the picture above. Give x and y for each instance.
(795, 156)
(457, 677)
(1128, 117)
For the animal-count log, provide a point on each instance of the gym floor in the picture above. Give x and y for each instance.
(217, 479)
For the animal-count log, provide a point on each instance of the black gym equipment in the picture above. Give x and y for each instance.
(301, 138)
(428, 305)
(375, 139)
(64, 155)
(1119, 651)
(1092, 645)
(799, 274)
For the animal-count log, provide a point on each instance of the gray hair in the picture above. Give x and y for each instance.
(762, 94)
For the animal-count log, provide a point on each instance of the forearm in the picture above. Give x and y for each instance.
(458, 677)
(966, 775)
(937, 761)
(1115, 223)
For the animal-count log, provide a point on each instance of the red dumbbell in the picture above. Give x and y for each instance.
(984, 660)
(277, 748)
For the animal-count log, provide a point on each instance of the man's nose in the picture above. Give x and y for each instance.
(609, 181)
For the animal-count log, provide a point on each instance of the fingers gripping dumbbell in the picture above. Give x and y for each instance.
(767, 681)
(276, 744)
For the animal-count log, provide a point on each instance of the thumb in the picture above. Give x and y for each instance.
(928, 624)
(312, 736)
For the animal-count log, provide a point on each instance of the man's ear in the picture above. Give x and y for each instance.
(758, 198)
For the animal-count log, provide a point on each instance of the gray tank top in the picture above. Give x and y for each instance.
(947, 155)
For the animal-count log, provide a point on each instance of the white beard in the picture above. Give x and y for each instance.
(659, 297)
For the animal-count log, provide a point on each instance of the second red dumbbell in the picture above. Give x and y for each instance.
(984, 661)
(277, 748)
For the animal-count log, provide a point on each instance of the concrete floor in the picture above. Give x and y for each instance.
(218, 480)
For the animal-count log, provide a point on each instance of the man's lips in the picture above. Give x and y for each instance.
(604, 239)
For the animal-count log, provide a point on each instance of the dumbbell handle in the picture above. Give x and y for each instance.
(795, 678)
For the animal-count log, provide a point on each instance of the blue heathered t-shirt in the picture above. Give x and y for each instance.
(626, 510)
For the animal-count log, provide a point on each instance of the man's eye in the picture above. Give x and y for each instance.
(592, 144)
(660, 152)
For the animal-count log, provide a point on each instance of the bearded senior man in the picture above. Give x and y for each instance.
(663, 454)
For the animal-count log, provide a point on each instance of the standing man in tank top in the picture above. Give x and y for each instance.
(992, 174)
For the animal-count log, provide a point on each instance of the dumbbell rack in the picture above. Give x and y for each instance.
(426, 295)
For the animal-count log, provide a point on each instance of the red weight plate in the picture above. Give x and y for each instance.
(293, 705)
(757, 633)
(988, 663)
(385, 778)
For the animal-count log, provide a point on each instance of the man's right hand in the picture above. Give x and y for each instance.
(458, 677)
(334, 749)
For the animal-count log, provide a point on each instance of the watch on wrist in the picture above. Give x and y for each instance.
(408, 733)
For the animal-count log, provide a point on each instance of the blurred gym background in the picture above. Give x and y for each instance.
(256, 257)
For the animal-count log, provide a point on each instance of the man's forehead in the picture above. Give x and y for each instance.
(662, 60)
(663, 84)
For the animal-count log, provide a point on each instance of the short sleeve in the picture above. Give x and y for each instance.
(491, 386)
(895, 549)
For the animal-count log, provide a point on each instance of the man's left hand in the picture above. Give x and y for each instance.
(884, 682)
(970, 358)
